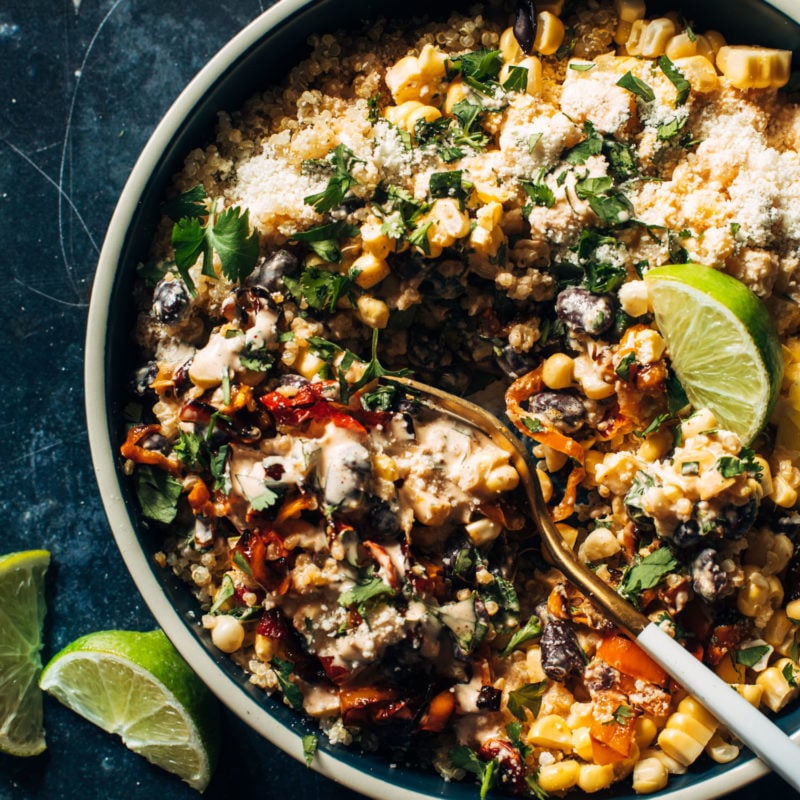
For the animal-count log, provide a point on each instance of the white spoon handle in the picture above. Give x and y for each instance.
(760, 734)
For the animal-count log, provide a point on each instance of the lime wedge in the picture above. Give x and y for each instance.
(138, 686)
(22, 610)
(722, 343)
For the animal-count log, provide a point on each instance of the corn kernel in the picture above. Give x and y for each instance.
(649, 37)
(372, 311)
(748, 67)
(582, 743)
(715, 40)
(559, 776)
(629, 10)
(482, 531)
(385, 467)
(680, 745)
(721, 751)
(227, 634)
(502, 479)
(550, 731)
(568, 533)
(549, 33)
(368, 270)
(622, 33)
(509, 47)
(595, 777)
(777, 691)
(456, 92)
(557, 371)
(681, 46)
(646, 731)
(374, 241)
(751, 692)
(649, 775)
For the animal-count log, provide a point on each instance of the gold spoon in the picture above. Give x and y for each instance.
(760, 734)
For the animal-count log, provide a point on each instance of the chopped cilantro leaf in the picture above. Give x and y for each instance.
(637, 86)
(592, 145)
(682, 86)
(366, 589)
(533, 424)
(540, 193)
(750, 656)
(668, 130)
(527, 696)
(310, 743)
(341, 159)
(481, 65)
(517, 80)
(647, 572)
(530, 630)
(158, 493)
(419, 237)
(470, 133)
(266, 499)
(189, 204)
(283, 671)
(450, 184)
(227, 233)
(623, 369)
(324, 239)
(320, 288)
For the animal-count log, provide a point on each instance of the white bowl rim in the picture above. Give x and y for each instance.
(104, 458)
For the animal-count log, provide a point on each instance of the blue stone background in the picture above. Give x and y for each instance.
(82, 85)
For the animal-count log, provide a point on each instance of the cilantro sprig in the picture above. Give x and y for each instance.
(647, 572)
(341, 160)
(202, 232)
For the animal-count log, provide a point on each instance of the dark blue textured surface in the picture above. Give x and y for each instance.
(83, 84)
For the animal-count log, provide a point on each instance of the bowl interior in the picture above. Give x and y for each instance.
(260, 55)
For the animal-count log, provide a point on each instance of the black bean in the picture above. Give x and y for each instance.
(515, 364)
(170, 301)
(156, 442)
(791, 580)
(561, 653)
(563, 410)
(584, 312)
(273, 270)
(407, 265)
(709, 580)
(525, 25)
(143, 377)
(687, 533)
(488, 698)
(382, 522)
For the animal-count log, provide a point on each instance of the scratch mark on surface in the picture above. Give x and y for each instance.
(25, 157)
(67, 143)
(35, 451)
(47, 296)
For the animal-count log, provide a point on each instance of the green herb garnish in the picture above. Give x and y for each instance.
(158, 493)
(226, 233)
(527, 696)
(341, 159)
(637, 86)
(283, 671)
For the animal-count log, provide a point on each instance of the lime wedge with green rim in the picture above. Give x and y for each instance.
(138, 686)
(22, 608)
(722, 343)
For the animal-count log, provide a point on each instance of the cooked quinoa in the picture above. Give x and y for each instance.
(475, 202)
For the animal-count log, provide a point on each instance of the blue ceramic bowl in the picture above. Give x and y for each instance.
(259, 54)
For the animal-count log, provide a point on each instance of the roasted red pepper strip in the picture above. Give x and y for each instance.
(308, 403)
(132, 450)
(522, 389)
(267, 559)
(374, 705)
